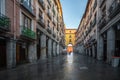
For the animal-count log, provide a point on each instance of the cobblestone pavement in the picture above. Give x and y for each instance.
(66, 67)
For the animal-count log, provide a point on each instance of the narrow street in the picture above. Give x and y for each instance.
(64, 67)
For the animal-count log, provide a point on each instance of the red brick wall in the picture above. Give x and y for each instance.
(9, 9)
(9, 12)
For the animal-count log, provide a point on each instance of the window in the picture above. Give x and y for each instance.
(48, 23)
(70, 36)
(28, 2)
(40, 14)
(2, 6)
(48, 9)
(26, 21)
(70, 40)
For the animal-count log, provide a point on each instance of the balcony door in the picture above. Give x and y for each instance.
(2, 6)
(26, 21)
(28, 2)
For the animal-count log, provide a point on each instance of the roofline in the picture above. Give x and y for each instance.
(85, 12)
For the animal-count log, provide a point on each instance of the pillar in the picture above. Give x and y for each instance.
(49, 48)
(89, 51)
(58, 49)
(100, 48)
(54, 47)
(93, 51)
(32, 54)
(110, 44)
(11, 53)
(43, 46)
(85, 51)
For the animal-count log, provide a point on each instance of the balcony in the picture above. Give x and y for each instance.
(102, 2)
(58, 28)
(54, 22)
(93, 23)
(49, 30)
(29, 7)
(57, 38)
(114, 9)
(49, 2)
(49, 14)
(41, 22)
(102, 23)
(41, 2)
(54, 34)
(95, 5)
(28, 33)
(4, 22)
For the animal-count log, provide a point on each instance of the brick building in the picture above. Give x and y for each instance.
(30, 30)
(98, 32)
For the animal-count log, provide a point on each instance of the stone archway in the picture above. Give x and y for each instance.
(69, 48)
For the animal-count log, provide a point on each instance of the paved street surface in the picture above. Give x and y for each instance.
(70, 67)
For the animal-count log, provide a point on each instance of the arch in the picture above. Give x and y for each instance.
(69, 48)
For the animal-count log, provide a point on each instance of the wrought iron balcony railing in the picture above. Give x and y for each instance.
(4, 22)
(101, 2)
(49, 14)
(54, 34)
(95, 5)
(93, 23)
(41, 22)
(102, 23)
(114, 9)
(28, 32)
(28, 7)
(54, 22)
(49, 30)
(49, 2)
(42, 3)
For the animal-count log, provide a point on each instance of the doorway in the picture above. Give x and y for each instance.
(2, 53)
(21, 53)
(38, 44)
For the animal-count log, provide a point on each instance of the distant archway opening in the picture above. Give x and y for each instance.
(70, 48)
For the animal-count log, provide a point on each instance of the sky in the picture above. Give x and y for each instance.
(73, 11)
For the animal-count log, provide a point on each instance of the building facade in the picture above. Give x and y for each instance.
(70, 39)
(97, 35)
(70, 36)
(30, 30)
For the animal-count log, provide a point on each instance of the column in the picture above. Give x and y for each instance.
(54, 47)
(11, 53)
(58, 49)
(100, 48)
(85, 51)
(49, 48)
(89, 51)
(110, 44)
(93, 51)
(32, 54)
(43, 46)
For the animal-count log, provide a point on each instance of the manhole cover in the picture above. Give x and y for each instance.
(83, 68)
